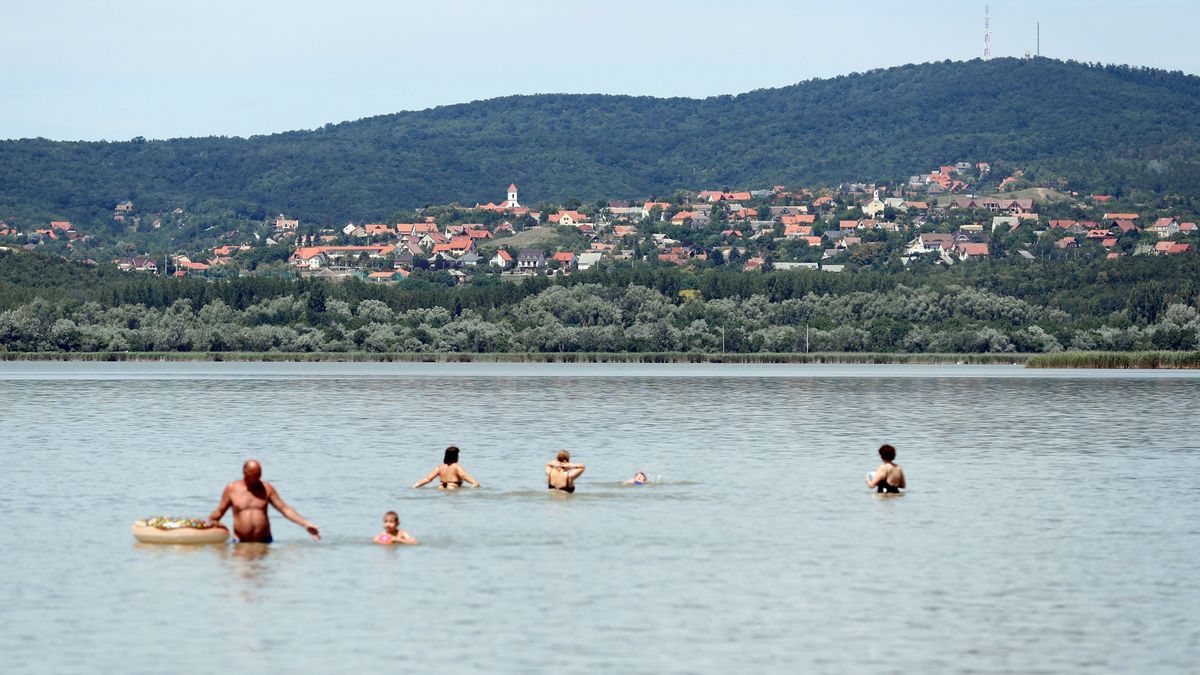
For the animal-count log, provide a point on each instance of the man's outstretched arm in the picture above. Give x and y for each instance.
(291, 514)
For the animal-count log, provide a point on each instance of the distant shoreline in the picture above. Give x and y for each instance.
(1104, 360)
(529, 357)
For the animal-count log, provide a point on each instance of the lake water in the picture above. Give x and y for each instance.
(1051, 522)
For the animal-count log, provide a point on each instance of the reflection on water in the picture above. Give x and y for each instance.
(246, 565)
(1051, 526)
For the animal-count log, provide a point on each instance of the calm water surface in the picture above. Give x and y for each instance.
(1051, 522)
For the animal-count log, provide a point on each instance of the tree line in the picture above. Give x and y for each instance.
(1002, 307)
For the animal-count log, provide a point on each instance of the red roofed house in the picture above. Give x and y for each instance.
(1164, 227)
(930, 242)
(682, 216)
(63, 225)
(567, 217)
(797, 231)
(565, 258)
(798, 219)
(503, 259)
(416, 228)
(972, 251)
(649, 206)
(386, 277)
(456, 246)
(314, 257)
(1171, 248)
(1122, 227)
(378, 229)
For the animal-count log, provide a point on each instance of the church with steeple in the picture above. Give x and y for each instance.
(510, 205)
(511, 202)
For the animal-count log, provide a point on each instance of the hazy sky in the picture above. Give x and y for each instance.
(80, 69)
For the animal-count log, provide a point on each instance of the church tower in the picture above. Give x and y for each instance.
(512, 197)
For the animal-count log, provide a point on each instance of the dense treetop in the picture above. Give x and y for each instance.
(1109, 128)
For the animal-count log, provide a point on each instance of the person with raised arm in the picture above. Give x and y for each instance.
(249, 498)
(449, 472)
(561, 473)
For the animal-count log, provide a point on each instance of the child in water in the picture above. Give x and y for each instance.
(639, 478)
(392, 534)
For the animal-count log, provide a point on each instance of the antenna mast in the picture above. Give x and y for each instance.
(1039, 38)
(987, 33)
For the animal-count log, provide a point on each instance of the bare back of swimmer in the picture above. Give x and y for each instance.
(449, 472)
(889, 477)
(561, 473)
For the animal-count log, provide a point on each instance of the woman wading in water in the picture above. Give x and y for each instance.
(450, 472)
(561, 473)
(889, 477)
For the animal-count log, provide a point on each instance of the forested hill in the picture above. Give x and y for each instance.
(1104, 127)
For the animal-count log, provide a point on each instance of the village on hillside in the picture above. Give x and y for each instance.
(933, 218)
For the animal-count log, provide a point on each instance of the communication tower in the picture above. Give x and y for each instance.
(987, 32)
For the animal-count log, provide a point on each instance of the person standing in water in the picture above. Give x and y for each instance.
(450, 472)
(561, 473)
(249, 498)
(889, 477)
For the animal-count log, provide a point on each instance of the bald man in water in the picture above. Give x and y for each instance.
(249, 498)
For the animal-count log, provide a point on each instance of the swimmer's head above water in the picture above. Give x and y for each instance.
(451, 456)
(887, 453)
(391, 522)
(252, 472)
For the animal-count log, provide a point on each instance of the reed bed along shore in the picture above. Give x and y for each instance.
(524, 357)
(1148, 360)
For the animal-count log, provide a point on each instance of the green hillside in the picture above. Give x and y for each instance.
(1105, 128)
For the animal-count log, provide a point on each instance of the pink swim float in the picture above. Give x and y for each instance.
(165, 530)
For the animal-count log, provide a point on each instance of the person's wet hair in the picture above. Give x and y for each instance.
(451, 456)
(887, 453)
(564, 456)
(392, 514)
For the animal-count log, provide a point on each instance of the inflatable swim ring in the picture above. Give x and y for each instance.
(164, 530)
